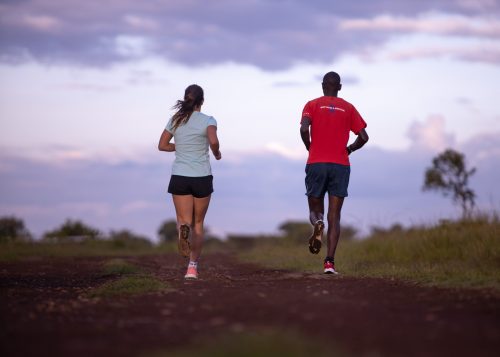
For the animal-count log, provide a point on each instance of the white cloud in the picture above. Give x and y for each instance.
(483, 148)
(430, 135)
(42, 22)
(140, 22)
(132, 46)
(295, 153)
(474, 53)
(481, 5)
(441, 25)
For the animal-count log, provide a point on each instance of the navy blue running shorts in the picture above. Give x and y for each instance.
(328, 177)
(198, 187)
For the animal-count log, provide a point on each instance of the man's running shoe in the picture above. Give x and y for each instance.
(192, 272)
(329, 268)
(315, 240)
(183, 244)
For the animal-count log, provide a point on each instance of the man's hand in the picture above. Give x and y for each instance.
(361, 140)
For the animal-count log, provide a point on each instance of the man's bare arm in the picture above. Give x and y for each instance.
(361, 140)
(304, 132)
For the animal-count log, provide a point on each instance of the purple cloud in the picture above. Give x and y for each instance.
(267, 34)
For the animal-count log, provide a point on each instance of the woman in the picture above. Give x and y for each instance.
(191, 180)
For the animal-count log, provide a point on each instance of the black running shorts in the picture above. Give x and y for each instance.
(198, 187)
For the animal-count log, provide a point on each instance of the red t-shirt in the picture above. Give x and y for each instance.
(332, 119)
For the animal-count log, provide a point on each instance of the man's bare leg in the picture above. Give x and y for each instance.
(316, 209)
(333, 234)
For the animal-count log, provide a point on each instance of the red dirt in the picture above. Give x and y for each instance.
(43, 310)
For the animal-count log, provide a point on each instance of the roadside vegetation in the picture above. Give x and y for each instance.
(126, 279)
(119, 266)
(128, 285)
(463, 253)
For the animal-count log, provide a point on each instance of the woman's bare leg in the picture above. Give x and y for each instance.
(198, 216)
(184, 205)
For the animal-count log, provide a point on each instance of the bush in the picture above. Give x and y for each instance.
(13, 229)
(71, 231)
(125, 238)
(168, 231)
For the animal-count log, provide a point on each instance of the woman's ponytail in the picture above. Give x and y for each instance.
(193, 97)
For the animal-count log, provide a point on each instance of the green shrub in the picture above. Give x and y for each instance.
(12, 229)
(71, 230)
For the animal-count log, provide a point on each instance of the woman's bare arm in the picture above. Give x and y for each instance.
(165, 144)
(213, 141)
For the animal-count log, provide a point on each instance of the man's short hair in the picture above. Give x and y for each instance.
(331, 78)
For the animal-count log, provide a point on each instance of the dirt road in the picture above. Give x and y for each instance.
(44, 311)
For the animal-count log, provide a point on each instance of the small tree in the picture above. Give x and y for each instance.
(296, 231)
(168, 231)
(450, 175)
(72, 229)
(125, 238)
(13, 229)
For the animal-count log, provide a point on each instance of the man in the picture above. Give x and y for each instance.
(330, 119)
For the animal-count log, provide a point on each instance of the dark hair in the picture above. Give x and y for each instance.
(193, 97)
(332, 79)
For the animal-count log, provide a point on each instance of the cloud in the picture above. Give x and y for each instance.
(484, 148)
(430, 135)
(42, 23)
(267, 34)
(448, 25)
(141, 23)
(296, 153)
(475, 53)
(480, 5)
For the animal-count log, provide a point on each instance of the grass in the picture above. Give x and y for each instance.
(128, 285)
(131, 282)
(119, 267)
(453, 254)
(262, 343)
(14, 251)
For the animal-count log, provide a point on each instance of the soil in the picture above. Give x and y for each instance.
(45, 310)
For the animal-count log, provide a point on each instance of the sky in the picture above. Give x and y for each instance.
(86, 89)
